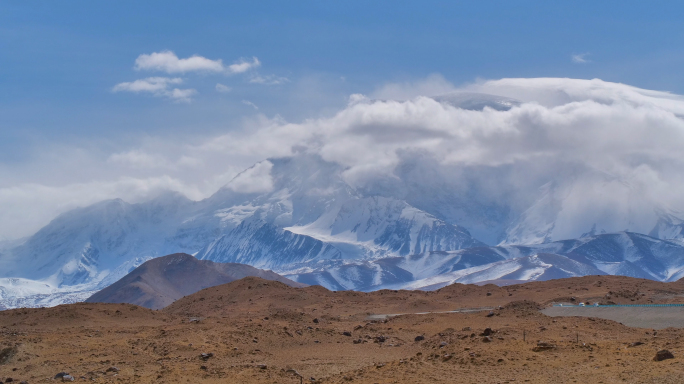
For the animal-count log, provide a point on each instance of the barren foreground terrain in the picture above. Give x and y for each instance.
(257, 331)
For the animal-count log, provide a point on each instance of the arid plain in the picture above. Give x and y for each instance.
(258, 331)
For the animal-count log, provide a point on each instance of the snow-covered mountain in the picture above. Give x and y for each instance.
(79, 245)
(311, 214)
(625, 253)
(308, 219)
(305, 221)
(668, 226)
(305, 214)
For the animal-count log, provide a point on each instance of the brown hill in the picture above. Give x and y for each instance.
(163, 280)
(255, 295)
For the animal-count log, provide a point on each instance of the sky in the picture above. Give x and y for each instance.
(126, 99)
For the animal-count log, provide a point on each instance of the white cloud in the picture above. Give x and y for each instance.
(222, 88)
(138, 159)
(244, 65)
(433, 85)
(256, 179)
(157, 86)
(182, 94)
(581, 58)
(565, 129)
(357, 98)
(167, 61)
(593, 137)
(190, 162)
(27, 207)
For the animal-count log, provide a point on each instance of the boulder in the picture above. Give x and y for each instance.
(663, 354)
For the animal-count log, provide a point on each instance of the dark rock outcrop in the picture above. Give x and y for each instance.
(663, 354)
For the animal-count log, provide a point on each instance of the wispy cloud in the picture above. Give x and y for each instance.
(581, 58)
(138, 159)
(268, 79)
(247, 102)
(150, 84)
(222, 88)
(243, 65)
(157, 86)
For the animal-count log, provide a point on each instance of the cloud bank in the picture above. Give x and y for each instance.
(610, 152)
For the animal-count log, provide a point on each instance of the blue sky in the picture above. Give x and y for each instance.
(60, 61)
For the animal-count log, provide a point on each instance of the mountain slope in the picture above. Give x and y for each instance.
(306, 213)
(79, 245)
(161, 281)
(626, 254)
